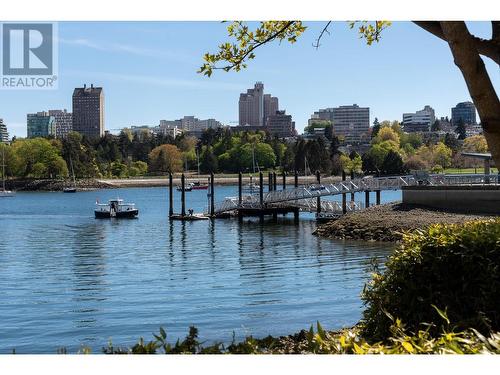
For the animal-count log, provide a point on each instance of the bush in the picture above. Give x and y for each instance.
(453, 267)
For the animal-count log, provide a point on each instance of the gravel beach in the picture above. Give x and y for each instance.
(387, 222)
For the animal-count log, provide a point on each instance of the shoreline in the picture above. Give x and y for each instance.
(387, 222)
(160, 181)
(219, 180)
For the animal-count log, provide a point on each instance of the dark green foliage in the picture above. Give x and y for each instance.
(453, 267)
(376, 128)
(369, 165)
(393, 164)
(460, 130)
(451, 142)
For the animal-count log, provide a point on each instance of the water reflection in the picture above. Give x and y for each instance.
(68, 279)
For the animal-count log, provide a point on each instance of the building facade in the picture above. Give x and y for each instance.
(4, 134)
(419, 121)
(281, 125)
(41, 124)
(466, 112)
(64, 122)
(251, 106)
(88, 111)
(188, 124)
(351, 122)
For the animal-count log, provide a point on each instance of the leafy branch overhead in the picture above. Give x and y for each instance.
(235, 54)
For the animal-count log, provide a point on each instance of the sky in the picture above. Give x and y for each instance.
(148, 72)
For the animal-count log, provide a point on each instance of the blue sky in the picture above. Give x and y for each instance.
(148, 71)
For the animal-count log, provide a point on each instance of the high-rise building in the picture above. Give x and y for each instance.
(41, 124)
(419, 121)
(271, 106)
(251, 106)
(281, 125)
(350, 122)
(465, 111)
(88, 111)
(4, 134)
(64, 122)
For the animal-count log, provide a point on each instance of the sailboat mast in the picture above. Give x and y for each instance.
(72, 170)
(3, 167)
(198, 161)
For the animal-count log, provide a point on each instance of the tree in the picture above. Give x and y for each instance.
(393, 164)
(435, 126)
(37, 158)
(476, 143)
(460, 130)
(466, 49)
(208, 161)
(376, 128)
(387, 134)
(452, 142)
(165, 159)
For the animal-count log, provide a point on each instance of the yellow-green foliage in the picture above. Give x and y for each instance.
(453, 267)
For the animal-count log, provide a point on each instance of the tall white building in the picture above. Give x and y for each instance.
(419, 121)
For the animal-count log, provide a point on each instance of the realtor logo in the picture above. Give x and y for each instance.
(28, 55)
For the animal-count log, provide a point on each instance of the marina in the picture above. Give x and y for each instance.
(69, 280)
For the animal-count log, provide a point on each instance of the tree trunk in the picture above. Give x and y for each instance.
(478, 82)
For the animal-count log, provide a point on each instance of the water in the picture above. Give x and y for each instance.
(67, 279)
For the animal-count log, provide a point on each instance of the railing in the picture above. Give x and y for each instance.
(304, 197)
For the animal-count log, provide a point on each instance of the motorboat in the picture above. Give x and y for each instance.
(197, 185)
(188, 187)
(116, 208)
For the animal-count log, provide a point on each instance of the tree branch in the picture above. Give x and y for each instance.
(325, 30)
(256, 45)
(485, 47)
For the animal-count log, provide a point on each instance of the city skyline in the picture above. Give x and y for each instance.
(140, 88)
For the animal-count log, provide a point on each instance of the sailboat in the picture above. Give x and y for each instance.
(252, 187)
(71, 189)
(5, 193)
(197, 185)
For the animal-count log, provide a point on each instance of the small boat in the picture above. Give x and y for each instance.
(71, 189)
(115, 208)
(188, 187)
(197, 185)
(251, 188)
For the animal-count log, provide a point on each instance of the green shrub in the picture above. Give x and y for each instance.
(453, 267)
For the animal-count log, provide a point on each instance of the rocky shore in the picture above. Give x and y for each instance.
(55, 185)
(387, 222)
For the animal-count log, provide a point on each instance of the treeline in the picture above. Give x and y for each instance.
(220, 150)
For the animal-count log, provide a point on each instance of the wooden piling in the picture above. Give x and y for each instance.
(170, 195)
(212, 194)
(296, 179)
(240, 186)
(183, 196)
(377, 195)
(367, 199)
(274, 181)
(318, 199)
(270, 181)
(344, 197)
(284, 180)
(261, 188)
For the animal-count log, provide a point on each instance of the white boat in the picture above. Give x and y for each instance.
(5, 193)
(115, 208)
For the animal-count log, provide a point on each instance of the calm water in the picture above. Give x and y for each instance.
(67, 279)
